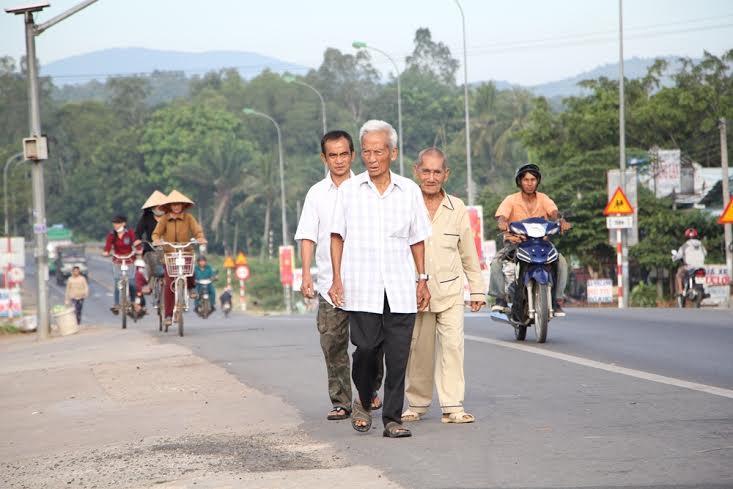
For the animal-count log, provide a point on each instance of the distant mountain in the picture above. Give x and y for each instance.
(633, 68)
(98, 65)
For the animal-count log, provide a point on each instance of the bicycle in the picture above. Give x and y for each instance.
(123, 286)
(155, 284)
(179, 266)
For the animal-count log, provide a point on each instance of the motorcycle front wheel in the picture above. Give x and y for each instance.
(542, 311)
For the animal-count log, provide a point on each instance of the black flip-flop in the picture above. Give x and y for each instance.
(334, 416)
(360, 414)
(396, 430)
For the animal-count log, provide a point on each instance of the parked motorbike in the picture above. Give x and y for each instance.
(204, 308)
(530, 278)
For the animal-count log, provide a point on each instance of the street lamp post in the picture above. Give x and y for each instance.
(286, 241)
(623, 301)
(363, 45)
(292, 79)
(469, 171)
(34, 111)
(16, 156)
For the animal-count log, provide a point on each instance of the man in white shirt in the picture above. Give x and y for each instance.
(379, 227)
(314, 230)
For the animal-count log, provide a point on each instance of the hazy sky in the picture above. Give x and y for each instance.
(522, 41)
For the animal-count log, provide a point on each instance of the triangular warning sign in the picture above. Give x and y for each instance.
(727, 216)
(618, 204)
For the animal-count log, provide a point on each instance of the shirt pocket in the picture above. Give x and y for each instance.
(449, 283)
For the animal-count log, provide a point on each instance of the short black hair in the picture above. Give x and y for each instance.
(333, 136)
(119, 218)
(76, 268)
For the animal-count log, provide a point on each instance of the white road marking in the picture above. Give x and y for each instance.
(639, 374)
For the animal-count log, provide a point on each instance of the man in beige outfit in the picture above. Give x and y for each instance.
(77, 290)
(449, 254)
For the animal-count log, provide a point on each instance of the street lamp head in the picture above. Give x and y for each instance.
(288, 78)
(248, 111)
(359, 45)
(31, 7)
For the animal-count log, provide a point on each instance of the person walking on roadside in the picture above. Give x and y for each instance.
(377, 246)
(436, 353)
(77, 289)
(314, 231)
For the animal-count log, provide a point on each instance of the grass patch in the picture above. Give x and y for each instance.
(8, 328)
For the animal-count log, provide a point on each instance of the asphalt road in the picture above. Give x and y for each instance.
(615, 411)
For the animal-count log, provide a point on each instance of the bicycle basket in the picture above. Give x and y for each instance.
(179, 265)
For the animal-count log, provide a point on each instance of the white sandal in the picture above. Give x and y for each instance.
(459, 417)
(409, 415)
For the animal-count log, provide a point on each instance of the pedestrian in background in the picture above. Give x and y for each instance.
(436, 354)
(77, 289)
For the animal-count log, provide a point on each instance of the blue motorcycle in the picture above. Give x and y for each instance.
(531, 286)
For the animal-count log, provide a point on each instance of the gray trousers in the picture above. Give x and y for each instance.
(497, 281)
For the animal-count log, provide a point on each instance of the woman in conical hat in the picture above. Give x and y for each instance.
(177, 226)
(152, 212)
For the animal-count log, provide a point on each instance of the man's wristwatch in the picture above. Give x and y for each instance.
(423, 276)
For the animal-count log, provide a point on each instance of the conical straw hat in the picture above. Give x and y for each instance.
(156, 198)
(176, 197)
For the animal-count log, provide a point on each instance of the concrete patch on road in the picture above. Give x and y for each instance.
(639, 374)
(117, 409)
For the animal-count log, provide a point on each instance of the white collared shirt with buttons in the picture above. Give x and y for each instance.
(315, 225)
(378, 231)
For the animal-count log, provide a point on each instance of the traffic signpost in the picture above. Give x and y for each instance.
(619, 216)
(241, 270)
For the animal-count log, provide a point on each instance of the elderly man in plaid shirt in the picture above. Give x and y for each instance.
(378, 254)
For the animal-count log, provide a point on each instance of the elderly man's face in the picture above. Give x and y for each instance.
(432, 174)
(376, 154)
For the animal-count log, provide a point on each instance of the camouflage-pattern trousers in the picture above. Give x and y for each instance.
(333, 326)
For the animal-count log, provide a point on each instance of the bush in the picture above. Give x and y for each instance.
(644, 295)
(264, 285)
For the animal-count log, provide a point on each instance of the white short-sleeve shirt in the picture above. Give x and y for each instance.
(378, 231)
(315, 225)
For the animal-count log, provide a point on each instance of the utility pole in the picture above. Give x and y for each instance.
(624, 300)
(34, 118)
(469, 171)
(723, 126)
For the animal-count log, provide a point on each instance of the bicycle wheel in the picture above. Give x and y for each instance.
(123, 301)
(181, 292)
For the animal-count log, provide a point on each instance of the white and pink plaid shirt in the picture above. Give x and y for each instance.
(378, 231)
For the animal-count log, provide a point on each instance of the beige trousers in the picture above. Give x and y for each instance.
(436, 359)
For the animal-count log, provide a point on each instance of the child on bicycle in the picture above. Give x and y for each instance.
(176, 226)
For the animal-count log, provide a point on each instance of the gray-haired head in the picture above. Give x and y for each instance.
(376, 125)
(431, 151)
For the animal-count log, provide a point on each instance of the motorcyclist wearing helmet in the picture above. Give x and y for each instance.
(204, 271)
(692, 253)
(526, 203)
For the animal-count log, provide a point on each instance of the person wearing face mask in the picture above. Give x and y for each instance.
(176, 226)
(152, 212)
(120, 241)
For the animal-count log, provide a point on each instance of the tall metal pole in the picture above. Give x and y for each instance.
(5, 190)
(469, 171)
(286, 240)
(39, 194)
(362, 45)
(723, 126)
(624, 302)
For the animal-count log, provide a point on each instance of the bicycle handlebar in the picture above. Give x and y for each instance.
(176, 246)
(125, 257)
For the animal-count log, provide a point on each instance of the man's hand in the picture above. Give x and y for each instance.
(136, 243)
(502, 224)
(336, 292)
(307, 287)
(105, 253)
(157, 243)
(423, 295)
(564, 225)
(514, 238)
(476, 305)
(67, 302)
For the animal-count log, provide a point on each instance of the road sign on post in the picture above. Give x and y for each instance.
(241, 270)
(617, 207)
(727, 216)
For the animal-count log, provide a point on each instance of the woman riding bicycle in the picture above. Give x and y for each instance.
(120, 241)
(152, 213)
(176, 226)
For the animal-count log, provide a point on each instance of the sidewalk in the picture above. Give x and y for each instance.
(113, 408)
